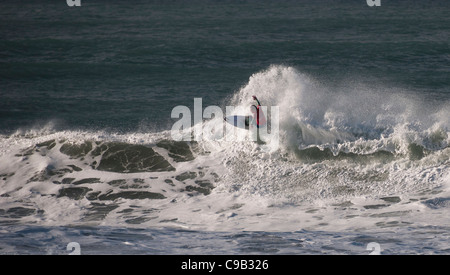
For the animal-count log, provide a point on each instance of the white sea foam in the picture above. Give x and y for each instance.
(353, 158)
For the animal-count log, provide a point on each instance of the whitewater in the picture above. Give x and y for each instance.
(353, 164)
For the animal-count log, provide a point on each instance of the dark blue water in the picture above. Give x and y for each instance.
(114, 241)
(364, 143)
(122, 66)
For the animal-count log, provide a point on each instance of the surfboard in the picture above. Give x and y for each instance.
(238, 121)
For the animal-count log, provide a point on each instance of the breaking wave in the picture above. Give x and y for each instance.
(353, 148)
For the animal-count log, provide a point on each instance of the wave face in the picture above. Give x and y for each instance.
(349, 157)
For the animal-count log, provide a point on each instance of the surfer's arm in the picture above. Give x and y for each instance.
(254, 97)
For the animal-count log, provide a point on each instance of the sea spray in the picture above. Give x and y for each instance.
(349, 152)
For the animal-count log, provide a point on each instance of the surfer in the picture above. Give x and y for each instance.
(258, 115)
(256, 120)
(252, 122)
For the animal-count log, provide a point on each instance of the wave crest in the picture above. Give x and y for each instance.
(349, 119)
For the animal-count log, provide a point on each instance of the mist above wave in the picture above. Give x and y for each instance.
(351, 118)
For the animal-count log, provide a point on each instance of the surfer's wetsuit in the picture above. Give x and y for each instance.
(258, 115)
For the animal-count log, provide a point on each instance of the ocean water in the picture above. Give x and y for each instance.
(361, 155)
